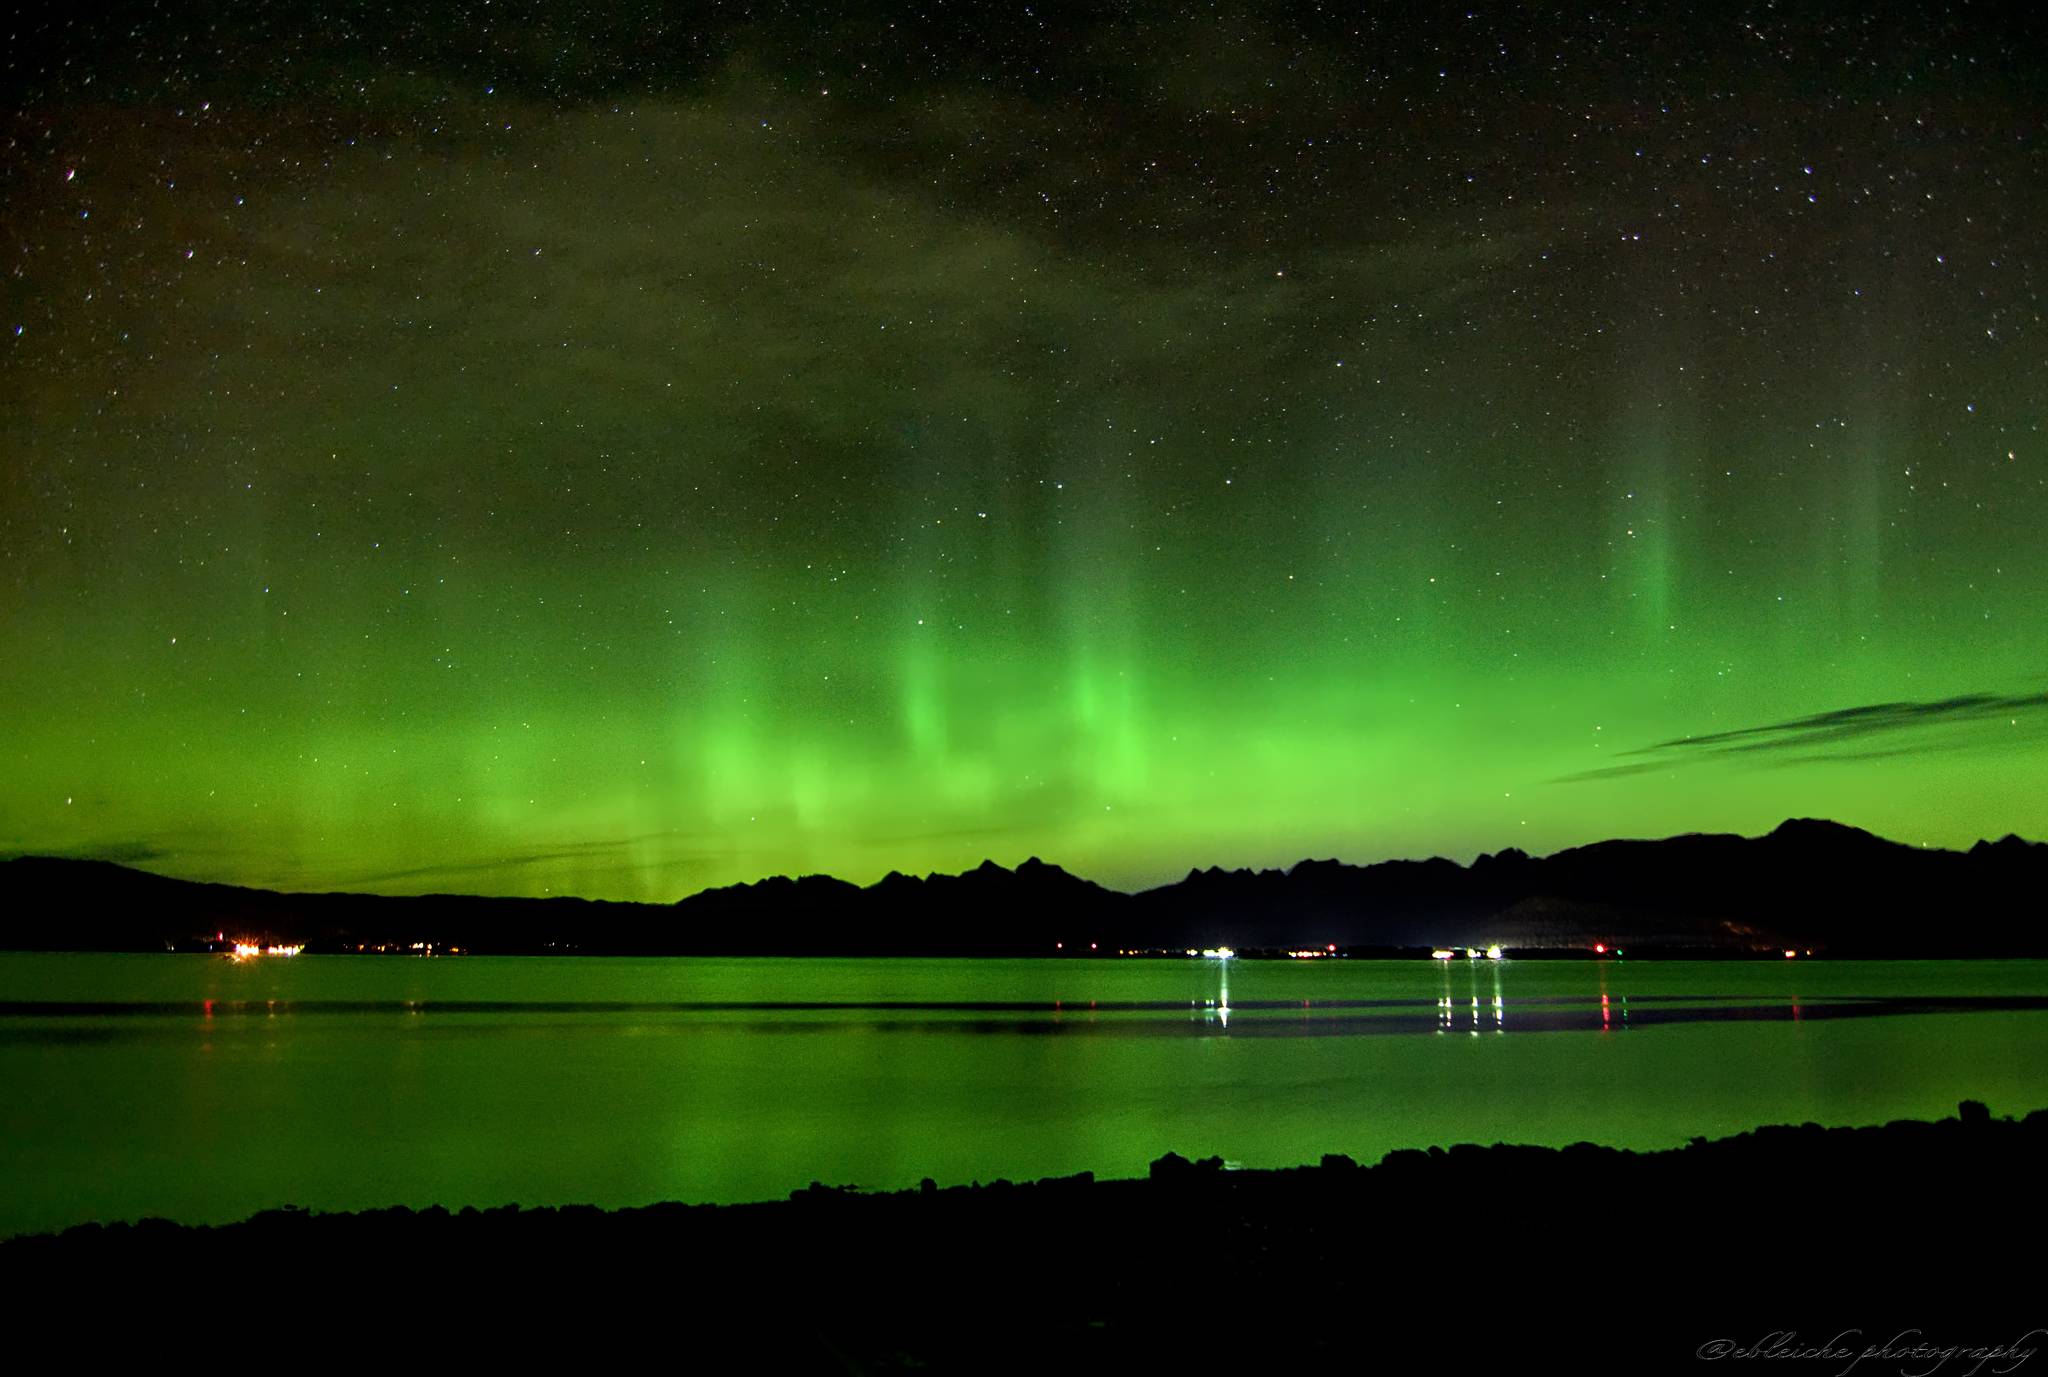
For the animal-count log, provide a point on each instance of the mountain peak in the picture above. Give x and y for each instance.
(1818, 829)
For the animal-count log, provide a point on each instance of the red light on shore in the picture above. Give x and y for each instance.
(1600, 947)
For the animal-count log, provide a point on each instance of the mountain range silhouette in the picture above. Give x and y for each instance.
(1807, 885)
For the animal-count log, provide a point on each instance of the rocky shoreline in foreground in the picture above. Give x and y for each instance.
(1521, 1256)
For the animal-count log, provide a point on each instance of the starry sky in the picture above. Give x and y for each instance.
(620, 449)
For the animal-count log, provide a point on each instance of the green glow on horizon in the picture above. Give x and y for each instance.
(958, 744)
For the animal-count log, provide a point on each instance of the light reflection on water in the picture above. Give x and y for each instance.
(203, 1089)
(33, 1021)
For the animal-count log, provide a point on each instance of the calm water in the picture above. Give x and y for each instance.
(203, 1089)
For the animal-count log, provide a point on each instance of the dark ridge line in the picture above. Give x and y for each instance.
(1810, 887)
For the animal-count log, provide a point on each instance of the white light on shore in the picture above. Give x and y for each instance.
(244, 950)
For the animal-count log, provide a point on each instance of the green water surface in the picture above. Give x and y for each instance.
(203, 1089)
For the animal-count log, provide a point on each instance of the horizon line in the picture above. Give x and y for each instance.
(986, 863)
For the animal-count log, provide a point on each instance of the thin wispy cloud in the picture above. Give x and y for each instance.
(620, 849)
(1843, 723)
(125, 852)
(1935, 725)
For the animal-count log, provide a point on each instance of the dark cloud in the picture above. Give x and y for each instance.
(1615, 772)
(125, 852)
(1815, 739)
(618, 853)
(1844, 723)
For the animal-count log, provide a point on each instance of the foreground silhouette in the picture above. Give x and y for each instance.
(1806, 885)
(1579, 1259)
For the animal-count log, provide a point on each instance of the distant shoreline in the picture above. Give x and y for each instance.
(1719, 955)
(1809, 886)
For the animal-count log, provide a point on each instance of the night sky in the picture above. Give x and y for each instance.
(605, 452)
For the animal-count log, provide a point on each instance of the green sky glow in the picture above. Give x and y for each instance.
(506, 469)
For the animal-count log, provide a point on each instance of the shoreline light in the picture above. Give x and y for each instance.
(244, 950)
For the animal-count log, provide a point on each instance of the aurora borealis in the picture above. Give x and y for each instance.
(616, 452)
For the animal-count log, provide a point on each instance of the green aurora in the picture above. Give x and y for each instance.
(517, 466)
